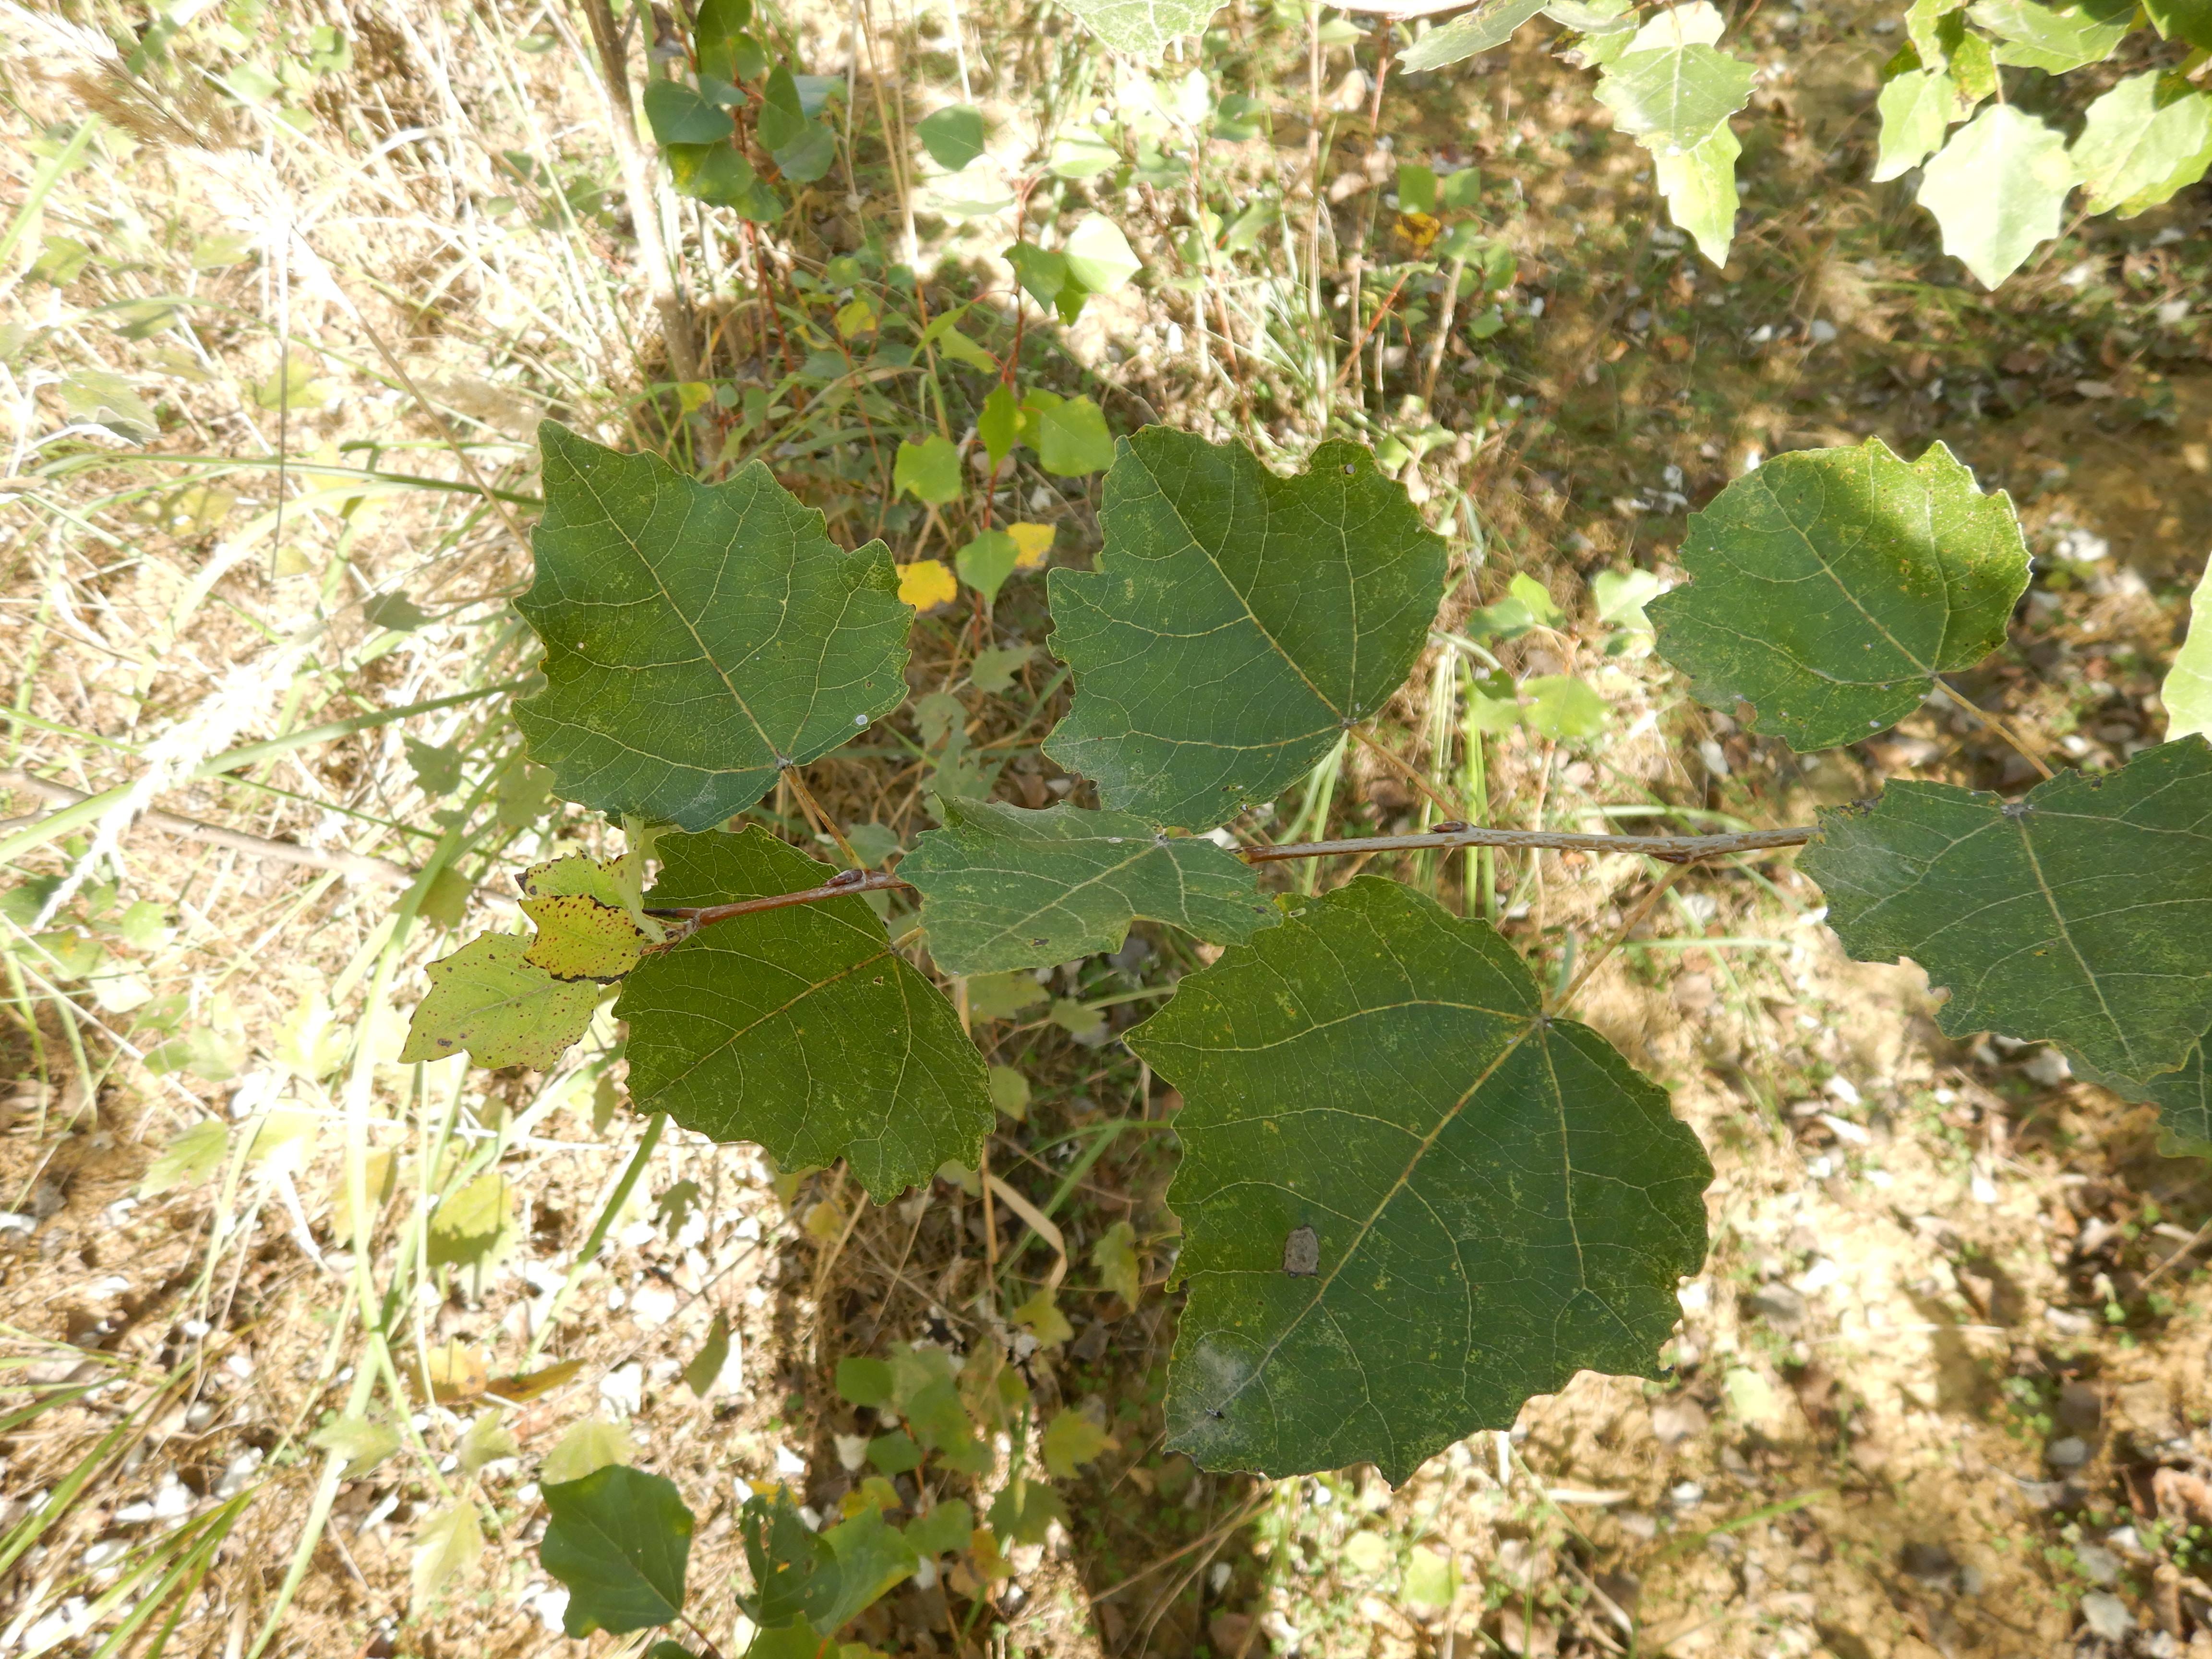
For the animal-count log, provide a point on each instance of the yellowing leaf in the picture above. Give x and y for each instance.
(926, 583)
(592, 1445)
(505, 1011)
(1115, 1257)
(580, 939)
(446, 1545)
(1032, 544)
(1073, 1440)
(577, 872)
(1041, 1316)
(524, 1386)
(487, 1440)
(855, 316)
(456, 1372)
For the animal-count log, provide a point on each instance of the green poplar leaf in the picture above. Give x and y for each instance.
(698, 636)
(717, 173)
(2054, 40)
(714, 32)
(1917, 110)
(1670, 98)
(953, 137)
(1071, 441)
(1833, 585)
(947, 1526)
(783, 119)
(798, 1028)
(1410, 1198)
(620, 1539)
(929, 468)
(485, 997)
(2187, 693)
(1142, 28)
(680, 115)
(999, 424)
(1490, 24)
(2142, 141)
(828, 1579)
(1236, 623)
(986, 563)
(1997, 190)
(2189, 21)
(1699, 185)
(1099, 256)
(1042, 271)
(2183, 1097)
(1002, 888)
(2079, 914)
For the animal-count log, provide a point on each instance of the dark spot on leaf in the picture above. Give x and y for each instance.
(1301, 1253)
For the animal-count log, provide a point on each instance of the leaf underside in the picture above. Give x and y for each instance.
(1002, 888)
(1142, 28)
(799, 1028)
(2080, 914)
(1494, 1201)
(698, 636)
(1831, 587)
(1236, 623)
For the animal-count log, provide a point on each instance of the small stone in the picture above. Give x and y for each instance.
(2106, 1615)
(2069, 1453)
(1929, 1562)
(1676, 1420)
(1778, 1305)
(2080, 1407)
(2098, 1564)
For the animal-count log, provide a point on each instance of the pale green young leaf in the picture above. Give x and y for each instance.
(1071, 1441)
(188, 1160)
(1001, 996)
(1432, 1579)
(1115, 1255)
(1699, 185)
(592, 1445)
(485, 997)
(2142, 141)
(487, 1441)
(1071, 439)
(2080, 914)
(1831, 585)
(1670, 98)
(1492, 23)
(2054, 39)
(798, 1028)
(1410, 1198)
(474, 1227)
(448, 1543)
(1142, 28)
(1562, 707)
(1997, 190)
(928, 468)
(1010, 1093)
(698, 636)
(1621, 596)
(1236, 623)
(2187, 693)
(1099, 256)
(362, 1444)
(620, 1542)
(985, 564)
(953, 136)
(1004, 888)
(1917, 108)
(2182, 20)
